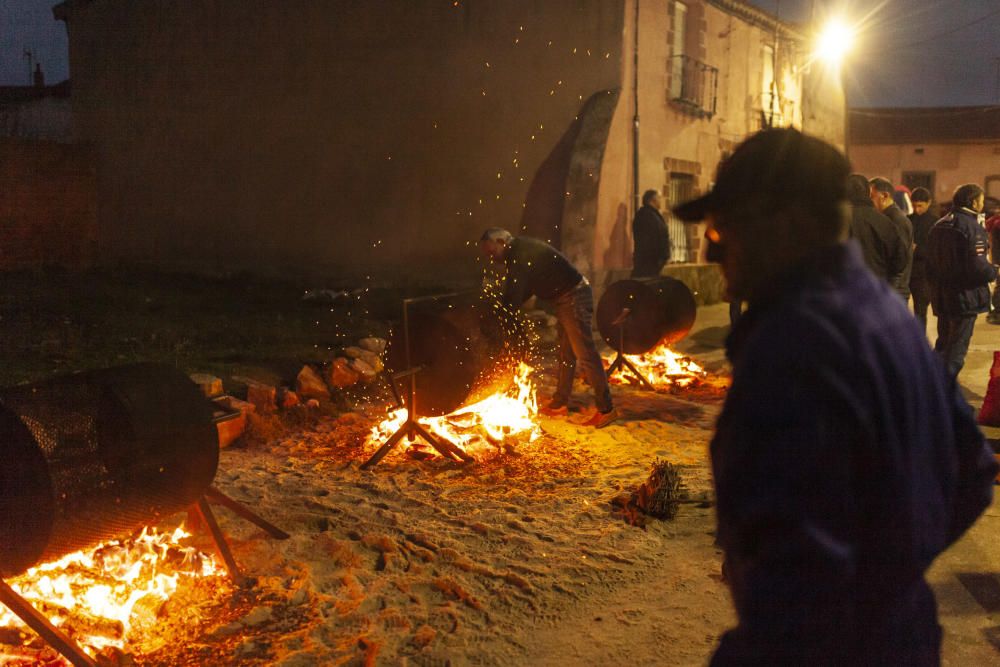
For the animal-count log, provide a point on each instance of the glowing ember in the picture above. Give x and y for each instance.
(497, 419)
(664, 368)
(100, 597)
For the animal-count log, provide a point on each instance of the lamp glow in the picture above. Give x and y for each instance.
(834, 42)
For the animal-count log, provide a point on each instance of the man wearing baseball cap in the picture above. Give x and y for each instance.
(845, 459)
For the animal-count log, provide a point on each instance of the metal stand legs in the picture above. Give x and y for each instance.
(621, 362)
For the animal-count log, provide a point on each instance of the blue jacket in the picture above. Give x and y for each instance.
(958, 269)
(845, 461)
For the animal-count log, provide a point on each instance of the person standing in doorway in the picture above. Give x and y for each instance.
(922, 220)
(650, 237)
(881, 193)
(959, 273)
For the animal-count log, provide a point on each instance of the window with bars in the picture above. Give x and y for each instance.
(680, 188)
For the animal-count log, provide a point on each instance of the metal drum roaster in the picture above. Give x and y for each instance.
(461, 348)
(94, 456)
(638, 315)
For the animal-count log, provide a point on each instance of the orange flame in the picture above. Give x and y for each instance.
(478, 427)
(104, 586)
(663, 367)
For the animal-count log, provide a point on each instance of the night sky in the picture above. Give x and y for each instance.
(911, 53)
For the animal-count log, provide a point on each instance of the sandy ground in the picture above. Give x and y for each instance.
(519, 559)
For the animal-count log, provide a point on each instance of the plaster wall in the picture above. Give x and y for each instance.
(674, 140)
(952, 164)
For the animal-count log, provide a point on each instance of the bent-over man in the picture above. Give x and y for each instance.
(534, 268)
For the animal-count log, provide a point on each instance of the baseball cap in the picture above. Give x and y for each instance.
(771, 168)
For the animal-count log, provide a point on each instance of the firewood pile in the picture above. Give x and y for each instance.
(658, 497)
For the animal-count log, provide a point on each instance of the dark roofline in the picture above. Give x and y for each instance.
(739, 8)
(924, 125)
(62, 11)
(759, 17)
(16, 94)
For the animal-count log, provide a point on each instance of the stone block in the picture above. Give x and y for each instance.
(263, 396)
(231, 429)
(368, 373)
(341, 374)
(366, 356)
(373, 344)
(210, 385)
(287, 398)
(310, 384)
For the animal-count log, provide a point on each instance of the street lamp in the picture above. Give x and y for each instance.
(833, 44)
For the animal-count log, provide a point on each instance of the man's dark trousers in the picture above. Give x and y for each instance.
(954, 335)
(575, 312)
(920, 290)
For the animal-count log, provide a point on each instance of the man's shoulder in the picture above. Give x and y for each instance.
(875, 219)
(528, 244)
(827, 322)
(896, 214)
(800, 331)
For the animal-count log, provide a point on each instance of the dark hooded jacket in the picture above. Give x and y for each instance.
(881, 244)
(651, 243)
(958, 269)
(845, 460)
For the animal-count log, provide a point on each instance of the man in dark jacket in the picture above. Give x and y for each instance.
(922, 220)
(959, 273)
(650, 238)
(845, 459)
(881, 245)
(534, 268)
(882, 197)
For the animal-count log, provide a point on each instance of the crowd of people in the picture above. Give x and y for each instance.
(937, 259)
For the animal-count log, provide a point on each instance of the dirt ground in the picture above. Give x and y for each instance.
(519, 559)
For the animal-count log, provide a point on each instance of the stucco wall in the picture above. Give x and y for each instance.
(324, 136)
(672, 140)
(953, 164)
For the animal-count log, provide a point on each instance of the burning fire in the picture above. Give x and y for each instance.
(477, 427)
(102, 596)
(663, 367)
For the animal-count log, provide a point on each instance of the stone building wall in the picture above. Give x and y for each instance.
(372, 138)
